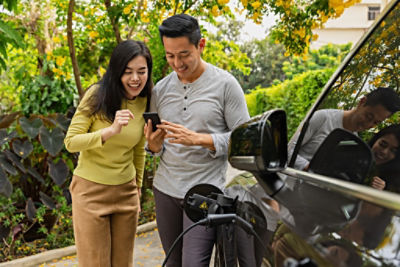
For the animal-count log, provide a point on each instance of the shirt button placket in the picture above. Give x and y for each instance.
(185, 101)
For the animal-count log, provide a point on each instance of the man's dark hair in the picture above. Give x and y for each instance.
(384, 96)
(179, 26)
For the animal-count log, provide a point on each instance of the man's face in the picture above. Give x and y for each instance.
(367, 117)
(184, 57)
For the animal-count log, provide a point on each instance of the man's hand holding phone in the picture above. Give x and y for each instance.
(154, 136)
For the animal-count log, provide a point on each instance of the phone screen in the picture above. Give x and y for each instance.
(153, 116)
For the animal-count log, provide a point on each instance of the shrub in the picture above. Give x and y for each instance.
(35, 172)
(294, 96)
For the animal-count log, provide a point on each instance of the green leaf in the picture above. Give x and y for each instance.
(35, 174)
(11, 33)
(61, 121)
(30, 209)
(58, 172)
(8, 119)
(47, 201)
(7, 166)
(22, 149)
(15, 160)
(6, 187)
(52, 141)
(31, 128)
(3, 136)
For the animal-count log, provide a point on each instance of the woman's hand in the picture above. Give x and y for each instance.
(121, 119)
(378, 183)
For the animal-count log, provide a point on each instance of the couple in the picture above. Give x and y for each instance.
(199, 104)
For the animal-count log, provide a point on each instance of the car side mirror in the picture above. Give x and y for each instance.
(343, 155)
(260, 147)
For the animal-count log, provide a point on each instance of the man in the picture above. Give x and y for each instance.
(199, 105)
(371, 110)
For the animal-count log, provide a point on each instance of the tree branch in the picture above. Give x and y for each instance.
(114, 23)
(71, 47)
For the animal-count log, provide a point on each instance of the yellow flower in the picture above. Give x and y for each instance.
(56, 39)
(227, 9)
(256, 4)
(215, 11)
(335, 3)
(286, 54)
(145, 19)
(255, 16)
(127, 9)
(60, 61)
(221, 2)
(93, 34)
(245, 2)
(315, 37)
(102, 71)
(339, 11)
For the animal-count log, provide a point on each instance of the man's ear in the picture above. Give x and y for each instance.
(362, 101)
(202, 44)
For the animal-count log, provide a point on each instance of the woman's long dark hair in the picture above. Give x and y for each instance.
(110, 93)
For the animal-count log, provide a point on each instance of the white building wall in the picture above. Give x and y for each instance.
(349, 27)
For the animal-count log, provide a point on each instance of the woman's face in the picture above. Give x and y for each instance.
(135, 76)
(385, 148)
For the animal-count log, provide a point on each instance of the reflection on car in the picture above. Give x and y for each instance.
(330, 196)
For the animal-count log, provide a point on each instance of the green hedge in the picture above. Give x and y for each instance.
(295, 96)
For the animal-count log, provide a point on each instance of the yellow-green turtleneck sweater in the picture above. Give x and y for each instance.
(119, 159)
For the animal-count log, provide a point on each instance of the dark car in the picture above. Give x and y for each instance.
(335, 202)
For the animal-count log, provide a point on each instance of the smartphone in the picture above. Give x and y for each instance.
(153, 116)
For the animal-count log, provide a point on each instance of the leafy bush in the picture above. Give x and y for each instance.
(35, 172)
(46, 95)
(294, 96)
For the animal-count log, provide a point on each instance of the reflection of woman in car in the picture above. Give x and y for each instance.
(369, 227)
(385, 148)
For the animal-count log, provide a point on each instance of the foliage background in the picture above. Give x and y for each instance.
(51, 50)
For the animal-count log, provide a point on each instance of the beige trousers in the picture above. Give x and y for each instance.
(105, 221)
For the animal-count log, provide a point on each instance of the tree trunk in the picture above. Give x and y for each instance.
(114, 23)
(71, 46)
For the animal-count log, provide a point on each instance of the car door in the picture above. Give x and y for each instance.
(335, 200)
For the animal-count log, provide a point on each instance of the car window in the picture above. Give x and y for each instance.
(363, 99)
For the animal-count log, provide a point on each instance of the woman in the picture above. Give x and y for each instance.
(107, 130)
(385, 148)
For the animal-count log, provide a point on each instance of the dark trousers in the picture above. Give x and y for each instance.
(196, 248)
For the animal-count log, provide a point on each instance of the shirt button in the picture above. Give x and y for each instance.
(184, 108)
(184, 87)
(185, 97)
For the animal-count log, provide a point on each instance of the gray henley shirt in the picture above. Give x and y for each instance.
(213, 104)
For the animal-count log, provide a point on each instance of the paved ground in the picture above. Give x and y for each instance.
(148, 253)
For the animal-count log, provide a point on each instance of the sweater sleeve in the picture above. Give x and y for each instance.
(139, 158)
(78, 137)
(314, 125)
(235, 113)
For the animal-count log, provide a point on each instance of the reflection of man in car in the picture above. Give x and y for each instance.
(372, 109)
